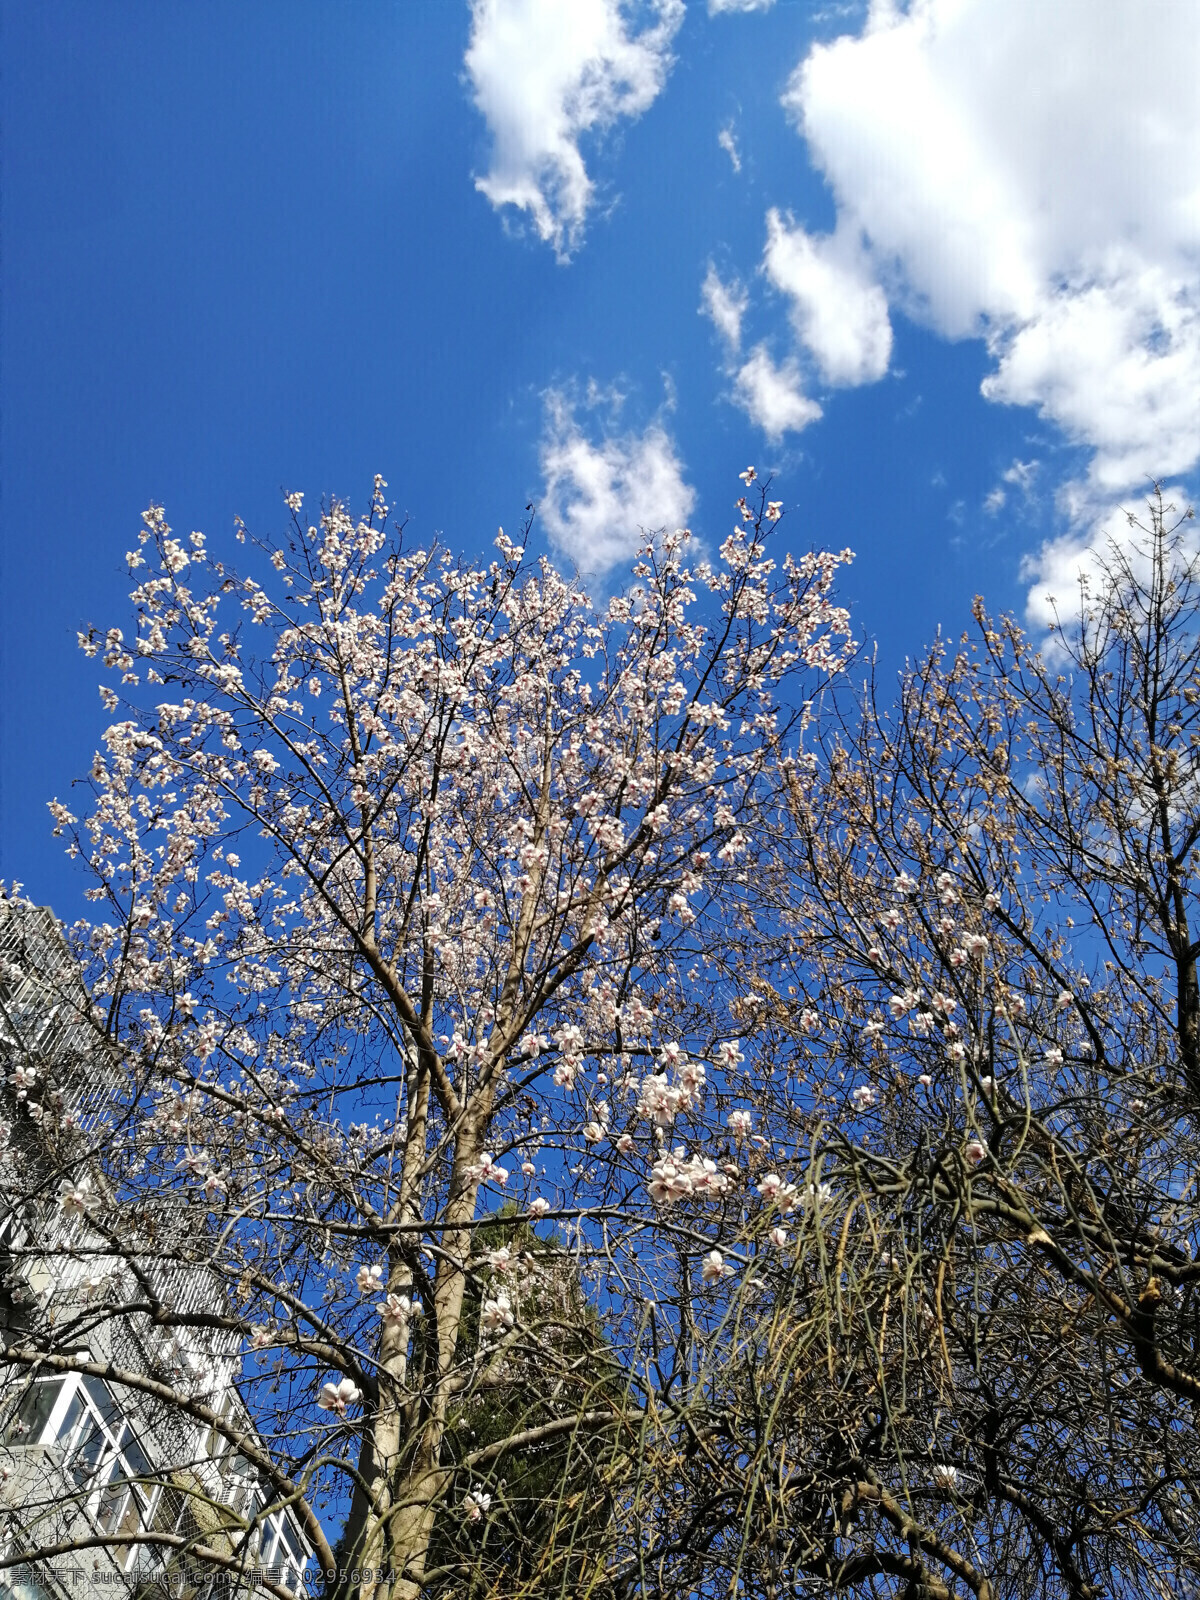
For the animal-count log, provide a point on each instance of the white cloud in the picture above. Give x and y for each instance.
(1030, 175)
(544, 74)
(1055, 571)
(716, 7)
(725, 305)
(773, 397)
(838, 311)
(728, 142)
(1021, 475)
(602, 498)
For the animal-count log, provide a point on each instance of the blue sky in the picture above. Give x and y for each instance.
(951, 254)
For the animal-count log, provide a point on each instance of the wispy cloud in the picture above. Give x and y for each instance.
(839, 312)
(725, 305)
(606, 489)
(545, 73)
(728, 142)
(773, 396)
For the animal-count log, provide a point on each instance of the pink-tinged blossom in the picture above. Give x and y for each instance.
(476, 1505)
(369, 1280)
(1053, 1058)
(809, 1020)
(1065, 999)
(539, 1207)
(946, 888)
(976, 945)
(75, 1197)
(774, 510)
(337, 1396)
(904, 885)
(864, 1096)
(924, 1080)
(974, 1152)
(395, 1310)
(714, 1267)
(748, 476)
(778, 1237)
(497, 1314)
(739, 1123)
(625, 1143)
(486, 1170)
(678, 1177)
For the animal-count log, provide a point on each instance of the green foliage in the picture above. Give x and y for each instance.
(551, 1498)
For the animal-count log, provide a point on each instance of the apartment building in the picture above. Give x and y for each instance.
(106, 1483)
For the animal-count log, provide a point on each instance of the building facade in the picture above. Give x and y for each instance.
(106, 1482)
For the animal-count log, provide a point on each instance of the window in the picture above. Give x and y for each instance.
(28, 1422)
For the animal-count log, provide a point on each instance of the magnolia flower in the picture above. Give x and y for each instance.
(476, 1505)
(1065, 999)
(947, 893)
(865, 1095)
(500, 1260)
(774, 510)
(539, 1207)
(369, 1279)
(337, 1396)
(496, 1315)
(1054, 1058)
(593, 1132)
(75, 1198)
(875, 956)
(904, 884)
(486, 1170)
(924, 1079)
(987, 1083)
(625, 1143)
(976, 944)
(713, 1267)
(260, 1336)
(809, 1020)
(528, 1168)
(729, 1053)
(991, 901)
(739, 1123)
(817, 1194)
(975, 1151)
(748, 476)
(778, 1237)
(396, 1309)
(945, 1476)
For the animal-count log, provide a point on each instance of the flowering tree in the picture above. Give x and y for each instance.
(412, 881)
(974, 1363)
